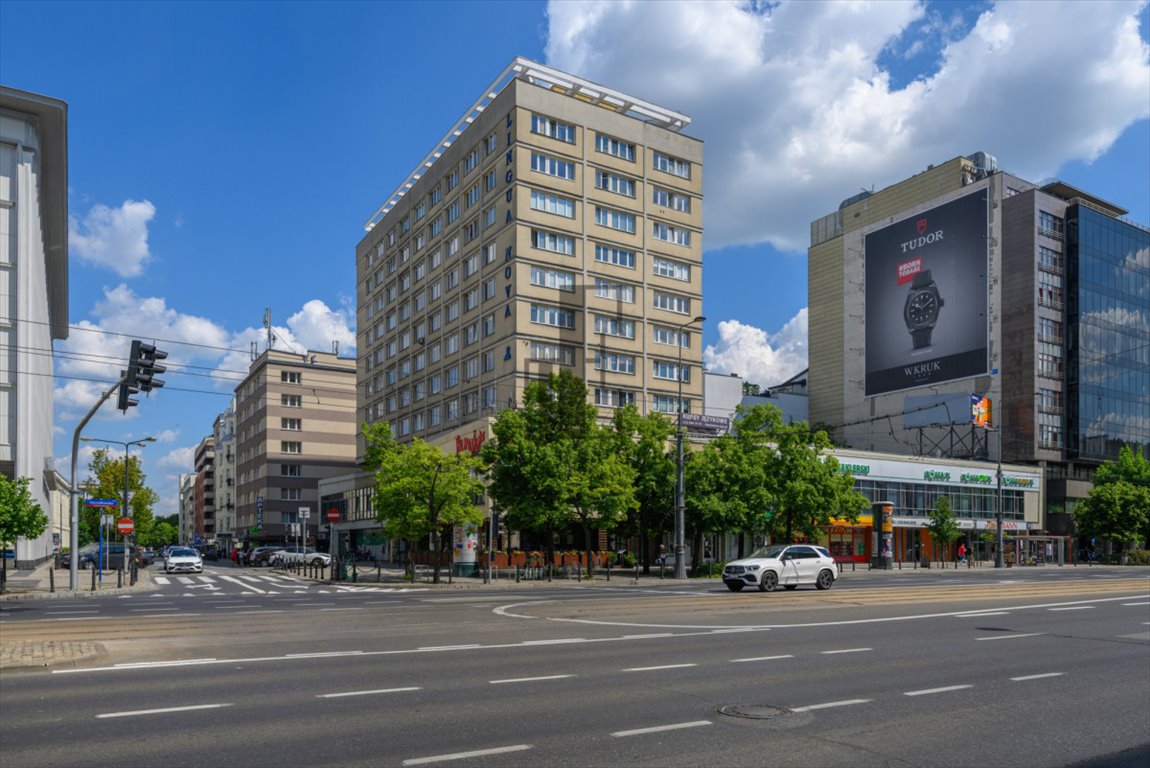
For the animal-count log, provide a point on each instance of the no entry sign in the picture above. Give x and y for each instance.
(125, 525)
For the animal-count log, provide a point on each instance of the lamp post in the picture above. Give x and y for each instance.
(127, 445)
(998, 563)
(680, 495)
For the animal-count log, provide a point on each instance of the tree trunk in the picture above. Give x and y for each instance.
(435, 537)
(697, 555)
(587, 550)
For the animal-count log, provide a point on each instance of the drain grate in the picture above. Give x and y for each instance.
(753, 711)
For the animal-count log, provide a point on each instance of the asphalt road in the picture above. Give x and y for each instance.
(972, 670)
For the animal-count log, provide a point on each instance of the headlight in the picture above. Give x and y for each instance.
(753, 567)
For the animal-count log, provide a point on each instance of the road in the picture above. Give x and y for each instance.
(1050, 668)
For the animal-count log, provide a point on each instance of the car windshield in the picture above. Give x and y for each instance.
(183, 552)
(767, 552)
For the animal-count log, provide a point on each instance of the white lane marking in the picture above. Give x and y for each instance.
(647, 637)
(846, 650)
(1073, 608)
(245, 613)
(528, 679)
(980, 615)
(366, 693)
(163, 711)
(560, 641)
(1011, 637)
(162, 580)
(764, 658)
(1143, 603)
(466, 755)
(133, 665)
(448, 647)
(322, 654)
(242, 583)
(76, 618)
(829, 704)
(945, 689)
(653, 669)
(661, 728)
(356, 608)
(66, 613)
(1037, 677)
(150, 610)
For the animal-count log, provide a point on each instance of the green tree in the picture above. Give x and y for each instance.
(20, 515)
(553, 466)
(642, 442)
(106, 481)
(943, 527)
(422, 491)
(1118, 507)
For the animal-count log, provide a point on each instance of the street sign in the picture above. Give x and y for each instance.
(102, 503)
(333, 515)
(107, 521)
(304, 513)
(125, 526)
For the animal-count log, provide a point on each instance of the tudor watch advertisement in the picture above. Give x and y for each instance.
(926, 297)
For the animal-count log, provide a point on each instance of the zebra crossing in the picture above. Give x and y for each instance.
(252, 583)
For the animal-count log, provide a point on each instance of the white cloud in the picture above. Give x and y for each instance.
(755, 355)
(797, 115)
(316, 326)
(179, 459)
(116, 238)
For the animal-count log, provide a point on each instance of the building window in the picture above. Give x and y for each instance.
(471, 369)
(609, 217)
(552, 353)
(1049, 401)
(452, 279)
(471, 265)
(490, 179)
(550, 241)
(674, 337)
(1049, 259)
(453, 180)
(669, 234)
(614, 326)
(489, 217)
(552, 166)
(436, 384)
(548, 203)
(668, 404)
(489, 253)
(675, 270)
(1049, 330)
(620, 257)
(1050, 436)
(1050, 361)
(433, 416)
(1050, 225)
(1050, 290)
(471, 300)
(673, 200)
(556, 316)
(554, 129)
(452, 376)
(671, 165)
(453, 311)
(472, 196)
(291, 401)
(291, 470)
(452, 410)
(453, 212)
(488, 326)
(291, 446)
(614, 398)
(471, 161)
(612, 182)
(471, 231)
(606, 289)
(451, 344)
(435, 196)
(553, 278)
(607, 361)
(664, 370)
(291, 377)
(489, 290)
(615, 147)
(291, 494)
(488, 362)
(420, 210)
(490, 143)
(671, 302)
(292, 425)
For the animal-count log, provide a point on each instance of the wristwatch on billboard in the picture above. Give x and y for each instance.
(921, 309)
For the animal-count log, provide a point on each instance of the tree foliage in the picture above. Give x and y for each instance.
(106, 481)
(1118, 507)
(943, 527)
(422, 491)
(641, 441)
(553, 466)
(20, 515)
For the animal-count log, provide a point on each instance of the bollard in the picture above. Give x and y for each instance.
(119, 578)
(517, 573)
(52, 580)
(354, 571)
(94, 577)
(608, 570)
(135, 572)
(636, 570)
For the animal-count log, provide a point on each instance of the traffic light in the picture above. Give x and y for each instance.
(142, 369)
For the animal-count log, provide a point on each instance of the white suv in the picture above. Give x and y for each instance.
(787, 564)
(298, 554)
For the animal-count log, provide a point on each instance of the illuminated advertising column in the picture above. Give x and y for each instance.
(882, 555)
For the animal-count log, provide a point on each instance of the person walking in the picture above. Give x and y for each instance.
(961, 553)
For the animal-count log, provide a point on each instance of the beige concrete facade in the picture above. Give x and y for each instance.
(551, 234)
(295, 425)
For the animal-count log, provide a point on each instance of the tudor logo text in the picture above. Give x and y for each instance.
(922, 240)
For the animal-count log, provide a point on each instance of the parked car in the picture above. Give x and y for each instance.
(183, 560)
(786, 565)
(89, 555)
(263, 555)
(147, 557)
(289, 555)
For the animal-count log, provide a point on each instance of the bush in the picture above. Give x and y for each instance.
(1138, 557)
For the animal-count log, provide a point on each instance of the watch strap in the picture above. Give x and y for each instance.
(922, 279)
(921, 337)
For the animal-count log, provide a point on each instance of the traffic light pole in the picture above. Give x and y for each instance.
(74, 539)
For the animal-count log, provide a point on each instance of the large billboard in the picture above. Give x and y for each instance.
(926, 297)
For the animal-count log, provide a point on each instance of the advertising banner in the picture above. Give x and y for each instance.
(926, 297)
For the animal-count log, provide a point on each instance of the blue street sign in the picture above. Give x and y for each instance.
(101, 503)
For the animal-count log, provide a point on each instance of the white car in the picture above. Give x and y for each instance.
(788, 565)
(183, 560)
(297, 554)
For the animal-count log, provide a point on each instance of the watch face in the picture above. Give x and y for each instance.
(921, 308)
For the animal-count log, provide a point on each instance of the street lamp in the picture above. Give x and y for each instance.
(127, 445)
(998, 503)
(680, 496)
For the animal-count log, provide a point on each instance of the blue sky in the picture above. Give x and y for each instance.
(223, 157)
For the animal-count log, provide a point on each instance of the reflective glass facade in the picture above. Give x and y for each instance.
(1108, 366)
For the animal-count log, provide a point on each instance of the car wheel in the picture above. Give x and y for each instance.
(790, 586)
(769, 581)
(825, 580)
(734, 586)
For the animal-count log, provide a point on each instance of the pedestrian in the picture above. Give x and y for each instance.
(961, 552)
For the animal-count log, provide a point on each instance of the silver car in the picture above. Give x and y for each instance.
(183, 560)
(788, 565)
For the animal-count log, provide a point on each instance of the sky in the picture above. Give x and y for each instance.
(224, 157)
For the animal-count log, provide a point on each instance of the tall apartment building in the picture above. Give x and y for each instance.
(205, 464)
(556, 226)
(967, 279)
(224, 436)
(33, 291)
(187, 511)
(295, 425)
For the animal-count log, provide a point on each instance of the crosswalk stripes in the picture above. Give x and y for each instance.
(260, 583)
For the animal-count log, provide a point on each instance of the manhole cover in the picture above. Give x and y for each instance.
(753, 711)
